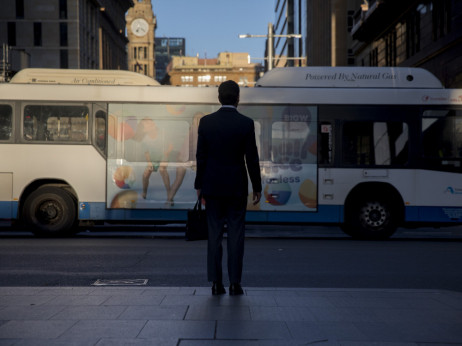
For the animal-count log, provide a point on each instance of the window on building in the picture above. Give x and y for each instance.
(390, 49)
(63, 58)
(20, 9)
(176, 42)
(350, 20)
(63, 34)
(37, 34)
(63, 9)
(204, 79)
(137, 67)
(219, 79)
(441, 18)
(11, 27)
(351, 57)
(374, 57)
(187, 79)
(413, 34)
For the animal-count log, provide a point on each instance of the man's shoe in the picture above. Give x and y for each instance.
(235, 290)
(217, 289)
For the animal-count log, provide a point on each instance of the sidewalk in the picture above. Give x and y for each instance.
(190, 316)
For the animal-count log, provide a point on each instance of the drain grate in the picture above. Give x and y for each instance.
(121, 282)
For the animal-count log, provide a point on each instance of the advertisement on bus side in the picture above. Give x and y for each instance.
(152, 148)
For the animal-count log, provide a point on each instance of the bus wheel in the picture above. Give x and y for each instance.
(50, 211)
(371, 218)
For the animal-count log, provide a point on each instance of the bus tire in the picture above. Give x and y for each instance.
(371, 218)
(50, 211)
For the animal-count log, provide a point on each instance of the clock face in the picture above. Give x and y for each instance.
(140, 27)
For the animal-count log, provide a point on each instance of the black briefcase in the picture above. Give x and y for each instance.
(196, 226)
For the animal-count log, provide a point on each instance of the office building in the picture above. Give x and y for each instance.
(193, 71)
(418, 33)
(328, 37)
(290, 18)
(82, 34)
(165, 48)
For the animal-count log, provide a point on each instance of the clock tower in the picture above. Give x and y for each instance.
(141, 25)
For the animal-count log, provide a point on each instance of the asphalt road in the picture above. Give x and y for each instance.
(275, 256)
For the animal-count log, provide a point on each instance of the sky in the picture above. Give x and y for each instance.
(214, 26)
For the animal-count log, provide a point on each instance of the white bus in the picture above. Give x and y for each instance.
(369, 149)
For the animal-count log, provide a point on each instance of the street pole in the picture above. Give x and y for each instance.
(270, 39)
(270, 46)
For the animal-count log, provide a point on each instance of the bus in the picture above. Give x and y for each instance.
(367, 148)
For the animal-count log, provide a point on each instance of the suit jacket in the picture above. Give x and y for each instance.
(226, 150)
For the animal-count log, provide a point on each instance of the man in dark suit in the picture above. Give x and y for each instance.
(226, 151)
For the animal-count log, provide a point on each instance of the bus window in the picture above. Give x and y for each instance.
(375, 143)
(325, 141)
(100, 130)
(442, 137)
(5, 122)
(258, 137)
(56, 123)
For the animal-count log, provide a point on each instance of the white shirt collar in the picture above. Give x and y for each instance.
(228, 106)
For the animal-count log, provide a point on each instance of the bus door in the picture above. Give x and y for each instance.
(100, 127)
(6, 176)
(326, 182)
(439, 192)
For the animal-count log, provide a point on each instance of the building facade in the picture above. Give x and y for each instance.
(141, 26)
(290, 18)
(192, 71)
(165, 48)
(419, 33)
(328, 36)
(82, 34)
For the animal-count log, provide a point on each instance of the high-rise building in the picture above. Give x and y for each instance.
(165, 48)
(420, 33)
(141, 26)
(84, 34)
(417, 33)
(328, 37)
(290, 18)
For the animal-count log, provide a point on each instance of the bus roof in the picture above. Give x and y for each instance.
(350, 77)
(82, 77)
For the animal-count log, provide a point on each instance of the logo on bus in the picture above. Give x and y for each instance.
(427, 98)
(453, 191)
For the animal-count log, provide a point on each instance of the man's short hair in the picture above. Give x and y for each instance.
(228, 93)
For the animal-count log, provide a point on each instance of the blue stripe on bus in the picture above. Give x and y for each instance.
(98, 211)
(433, 214)
(8, 209)
(325, 214)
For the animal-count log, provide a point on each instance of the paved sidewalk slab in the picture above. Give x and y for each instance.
(190, 316)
